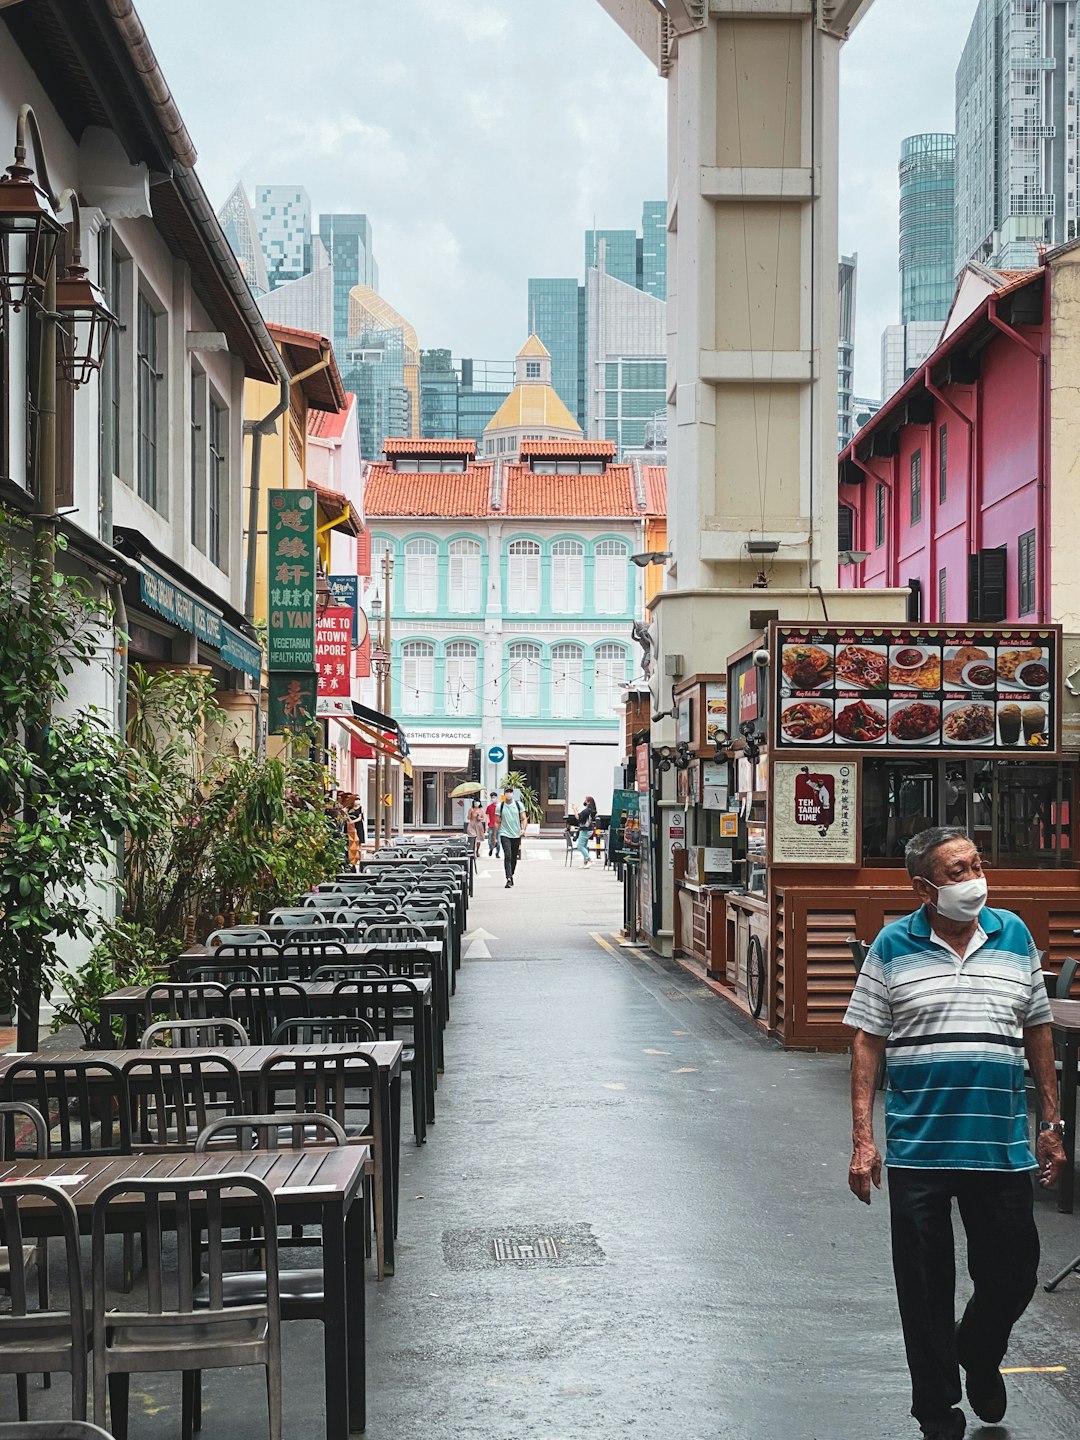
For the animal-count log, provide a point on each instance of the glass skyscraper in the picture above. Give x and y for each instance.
(558, 308)
(348, 243)
(1016, 132)
(459, 397)
(654, 248)
(927, 226)
(556, 315)
(283, 216)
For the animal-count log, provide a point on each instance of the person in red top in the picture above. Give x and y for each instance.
(492, 827)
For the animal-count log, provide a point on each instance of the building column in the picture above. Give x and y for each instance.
(753, 101)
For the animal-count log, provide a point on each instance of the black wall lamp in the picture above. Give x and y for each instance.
(667, 756)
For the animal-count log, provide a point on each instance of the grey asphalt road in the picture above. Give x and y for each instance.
(630, 1218)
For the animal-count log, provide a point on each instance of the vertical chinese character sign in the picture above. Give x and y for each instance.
(291, 555)
(333, 642)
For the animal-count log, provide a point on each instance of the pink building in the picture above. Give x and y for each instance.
(948, 488)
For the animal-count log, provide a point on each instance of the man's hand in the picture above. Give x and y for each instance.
(865, 1168)
(1050, 1153)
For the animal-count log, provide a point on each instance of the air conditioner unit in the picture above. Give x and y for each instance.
(673, 665)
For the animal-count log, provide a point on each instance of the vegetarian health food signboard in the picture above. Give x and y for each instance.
(291, 580)
(947, 688)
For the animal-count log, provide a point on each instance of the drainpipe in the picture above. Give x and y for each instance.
(120, 628)
(970, 499)
(106, 457)
(1043, 489)
(890, 527)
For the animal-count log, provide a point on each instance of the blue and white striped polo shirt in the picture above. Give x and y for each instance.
(955, 1044)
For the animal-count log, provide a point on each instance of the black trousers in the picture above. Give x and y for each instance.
(511, 849)
(996, 1208)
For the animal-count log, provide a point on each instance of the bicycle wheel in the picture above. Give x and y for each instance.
(755, 975)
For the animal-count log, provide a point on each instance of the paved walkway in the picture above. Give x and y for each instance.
(711, 1278)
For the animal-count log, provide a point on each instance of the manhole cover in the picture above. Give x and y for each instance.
(520, 1246)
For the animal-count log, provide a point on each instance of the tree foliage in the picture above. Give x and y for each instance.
(68, 786)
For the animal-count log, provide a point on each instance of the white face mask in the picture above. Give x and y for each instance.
(963, 902)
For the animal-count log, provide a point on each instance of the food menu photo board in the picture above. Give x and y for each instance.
(926, 687)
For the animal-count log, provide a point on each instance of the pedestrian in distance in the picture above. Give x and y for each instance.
(492, 825)
(476, 826)
(586, 820)
(954, 995)
(510, 822)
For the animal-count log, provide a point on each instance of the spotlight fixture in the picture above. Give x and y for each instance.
(650, 557)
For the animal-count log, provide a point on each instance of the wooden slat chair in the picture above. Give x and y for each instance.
(183, 1034)
(174, 1097)
(261, 1007)
(85, 1102)
(350, 970)
(35, 1258)
(373, 1000)
(222, 974)
(42, 1340)
(330, 1084)
(183, 1000)
(236, 935)
(172, 1333)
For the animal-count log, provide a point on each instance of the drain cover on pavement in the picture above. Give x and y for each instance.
(521, 1247)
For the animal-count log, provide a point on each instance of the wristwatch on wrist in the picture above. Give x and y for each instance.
(1058, 1125)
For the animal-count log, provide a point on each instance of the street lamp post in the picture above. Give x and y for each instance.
(380, 660)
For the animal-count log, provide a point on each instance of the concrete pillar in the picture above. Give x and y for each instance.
(753, 120)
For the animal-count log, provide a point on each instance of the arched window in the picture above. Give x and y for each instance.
(462, 676)
(421, 576)
(381, 546)
(567, 577)
(566, 681)
(610, 576)
(609, 667)
(464, 596)
(523, 678)
(417, 677)
(523, 577)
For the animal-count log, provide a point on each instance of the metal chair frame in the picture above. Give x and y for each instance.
(182, 1034)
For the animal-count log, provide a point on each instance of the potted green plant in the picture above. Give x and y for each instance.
(126, 954)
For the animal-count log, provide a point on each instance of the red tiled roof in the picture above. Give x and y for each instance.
(411, 445)
(398, 492)
(389, 493)
(580, 496)
(655, 477)
(334, 504)
(593, 449)
(330, 424)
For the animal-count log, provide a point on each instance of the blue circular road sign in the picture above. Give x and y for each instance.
(496, 754)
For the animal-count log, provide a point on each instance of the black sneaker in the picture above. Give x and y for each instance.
(508, 884)
(985, 1389)
(951, 1428)
(986, 1394)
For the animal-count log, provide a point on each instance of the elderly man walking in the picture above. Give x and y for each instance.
(953, 994)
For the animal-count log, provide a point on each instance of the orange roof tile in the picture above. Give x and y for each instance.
(655, 477)
(389, 492)
(330, 424)
(579, 496)
(411, 445)
(593, 449)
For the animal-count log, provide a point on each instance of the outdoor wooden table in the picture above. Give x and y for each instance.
(1066, 1028)
(318, 1186)
(249, 1060)
(129, 1005)
(432, 949)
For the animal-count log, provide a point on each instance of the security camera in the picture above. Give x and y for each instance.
(761, 659)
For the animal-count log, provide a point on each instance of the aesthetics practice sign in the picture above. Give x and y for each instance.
(952, 689)
(815, 812)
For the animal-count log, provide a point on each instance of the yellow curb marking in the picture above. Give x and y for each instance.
(1034, 1370)
(603, 943)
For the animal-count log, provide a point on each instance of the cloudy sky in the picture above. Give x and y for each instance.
(481, 137)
